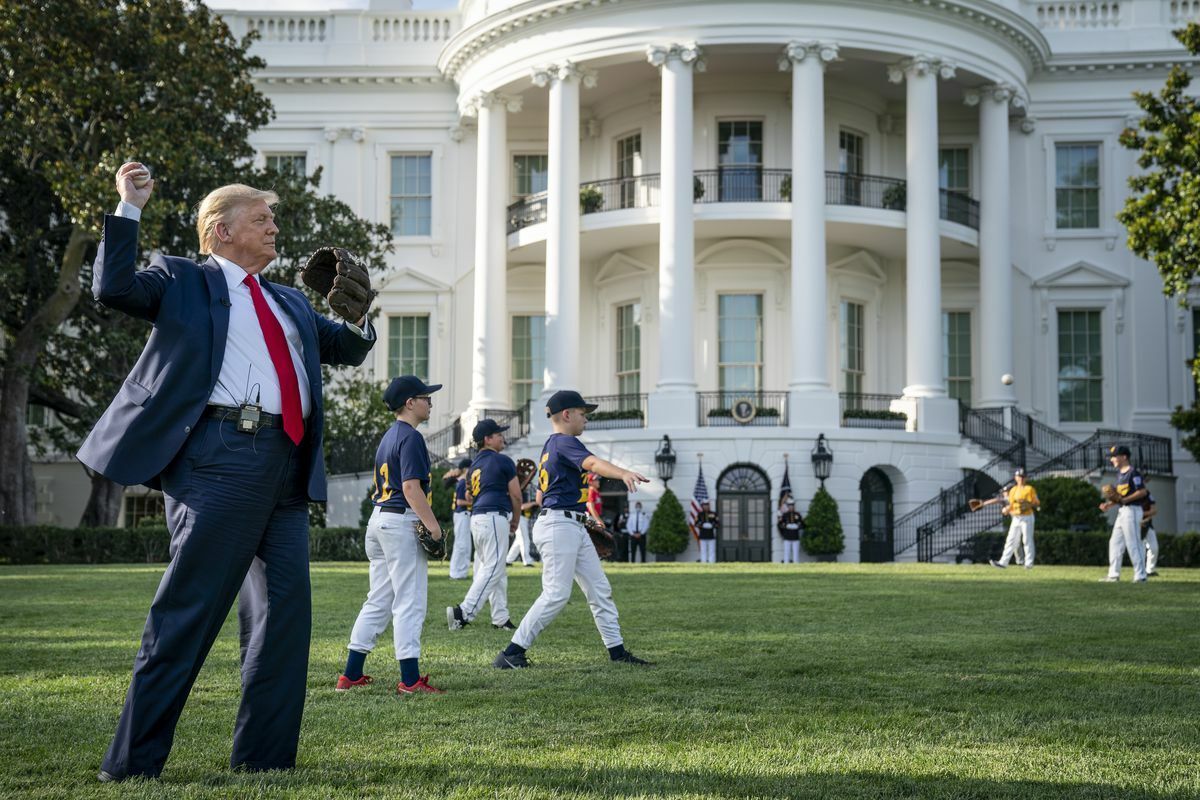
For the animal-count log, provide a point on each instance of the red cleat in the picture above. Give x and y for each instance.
(344, 684)
(420, 687)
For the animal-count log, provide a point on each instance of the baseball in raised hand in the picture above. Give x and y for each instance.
(134, 183)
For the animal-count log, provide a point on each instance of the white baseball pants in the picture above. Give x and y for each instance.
(521, 544)
(1126, 535)
(567, 552)
(1151, 542)
(460, 556)
(489, 532)
(1020, 531)
(399, 586)
(791, 551)
(708, 551)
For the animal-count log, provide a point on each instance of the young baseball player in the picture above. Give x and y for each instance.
(398, 567)
(495, 512)
(1149, 536)
(567, 551)
(1020, 504)
(522, 547)
(460, 556)
(1130, 492)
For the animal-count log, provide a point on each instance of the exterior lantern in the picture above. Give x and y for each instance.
(664, 460)
(822, 459)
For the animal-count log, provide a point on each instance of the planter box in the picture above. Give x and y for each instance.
(826, 557)
(878, 424)
(663, 556)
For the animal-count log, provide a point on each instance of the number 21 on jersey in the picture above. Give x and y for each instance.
(383, 492)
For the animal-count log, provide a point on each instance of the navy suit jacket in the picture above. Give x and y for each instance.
(165, 395)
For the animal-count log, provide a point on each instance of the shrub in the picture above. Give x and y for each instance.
(866, 413)
(668, 530)
(697, 189)
(895, 198)
(823, 526)
(590, 199)
(1069, 504)
(623, 413)
(785, 188)
(1081, 548)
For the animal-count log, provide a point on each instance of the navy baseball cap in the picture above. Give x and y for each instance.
(404, 388)
(1119, 450)
(466, 462)
(485, 428)
(562, 400)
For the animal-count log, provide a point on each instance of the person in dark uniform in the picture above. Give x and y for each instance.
(399, 570)
(790, 525)
(460, 555)
(1131, 491)
(1149, 536)
(708, 527)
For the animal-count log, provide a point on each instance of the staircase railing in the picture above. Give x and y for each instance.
(516, 420)
(1150, 454)
(1039, 436)
(440, 442)
(985, 427)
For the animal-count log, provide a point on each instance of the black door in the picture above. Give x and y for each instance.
(744, 507)
(875, 517)
(616, 502)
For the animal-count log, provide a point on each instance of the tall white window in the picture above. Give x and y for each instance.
(528, 358)
(956, 345)
(408, 346)
(740, 156)
(412, 195)
(287, 163)
(530, 174)
(629, 349)
(629, 166)
(852, 349)
(1077, 185)
(1080, 367)
(954, 169)
(851, 163)
(740, 343)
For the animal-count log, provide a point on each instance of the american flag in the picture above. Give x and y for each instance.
(699, 495)
(785, 488)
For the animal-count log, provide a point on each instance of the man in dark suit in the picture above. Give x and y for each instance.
(223, 412)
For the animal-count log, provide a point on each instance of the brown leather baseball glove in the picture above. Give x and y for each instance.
(602, 540)
(337, 275)
(434, 548)
(975, 503)
(526, 469)
(1110, 493)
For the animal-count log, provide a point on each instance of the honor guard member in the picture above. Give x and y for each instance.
(790, 525)
(398, 564)
(707, 528)
(1149, 537)
(1020, 503)
(1131, 491)
(522, 545)
(460, 556)
(495, 513)
(567, 550)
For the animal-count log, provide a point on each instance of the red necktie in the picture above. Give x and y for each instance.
(281, 358)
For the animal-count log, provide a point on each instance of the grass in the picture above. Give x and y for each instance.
(818, 681)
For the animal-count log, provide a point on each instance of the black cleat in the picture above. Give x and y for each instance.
(108, 777)
(629, 658)
(506, 626)
(454, 618)
(517, 661)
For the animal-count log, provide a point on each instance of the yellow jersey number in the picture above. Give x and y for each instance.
(476, 479)
(543, 475)
(583, 488)
(382, 493)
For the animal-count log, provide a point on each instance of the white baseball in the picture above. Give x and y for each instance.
(1006, 379)
(140, 178)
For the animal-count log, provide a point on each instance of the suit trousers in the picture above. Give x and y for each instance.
(399, 591)
(637, 544)
(567, 552)
(460, 555)
(489, 533)
(231, 499)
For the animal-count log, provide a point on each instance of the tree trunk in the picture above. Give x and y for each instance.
(18, 494)
(104, 504)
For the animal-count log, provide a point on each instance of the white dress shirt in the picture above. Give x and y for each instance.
(638, 522)
(247, 373)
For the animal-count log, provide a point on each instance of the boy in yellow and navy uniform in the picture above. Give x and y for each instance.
(1131, 491)
(1021, 502)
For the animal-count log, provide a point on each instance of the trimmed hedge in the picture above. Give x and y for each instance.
(1081, 548)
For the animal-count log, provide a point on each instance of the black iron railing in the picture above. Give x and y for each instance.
(985, 427)
(441, 442)
(618, 411)
(517, 421)
(1039, 437)
(861, 410)
(760, 409)
(745, 184)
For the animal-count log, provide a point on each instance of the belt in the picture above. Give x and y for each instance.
(575, 515)
(231, 413)
(386, 510)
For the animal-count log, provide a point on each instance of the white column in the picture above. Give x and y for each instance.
(490, 344)
(811, 398)
(674, 398)
(995, 250)
(562, 225)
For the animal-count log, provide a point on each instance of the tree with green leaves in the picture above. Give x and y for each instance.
(668, 531)
(1162, 214)
(89, 85)
(823, 526)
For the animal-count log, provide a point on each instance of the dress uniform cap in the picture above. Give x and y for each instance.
(562, 400)
(404, 388)
(485, 428)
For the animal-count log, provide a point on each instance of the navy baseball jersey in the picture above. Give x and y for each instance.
(561, 476)
(402, 456)
(490, 474)
(1147, 501)
(460, 493)
(1129, 481)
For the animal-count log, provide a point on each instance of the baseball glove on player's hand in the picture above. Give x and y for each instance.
(975, 503)
(1110, 493)
(337, 275)
(602, 540)
(526, 469)
(434, 548)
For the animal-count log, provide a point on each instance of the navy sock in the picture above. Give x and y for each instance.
(354, 665)
(513, 649)
(616, 652)
(409, 672)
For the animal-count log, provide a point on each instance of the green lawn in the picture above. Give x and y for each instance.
(773, 681)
